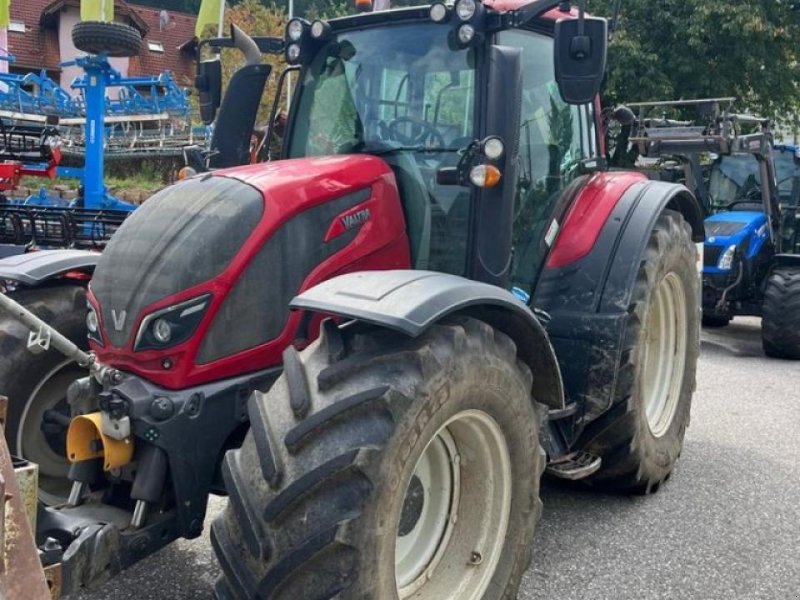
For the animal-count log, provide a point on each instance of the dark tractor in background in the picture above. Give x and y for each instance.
(376, 346)
(749, 188)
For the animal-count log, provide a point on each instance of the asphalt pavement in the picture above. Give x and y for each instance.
(726, 525)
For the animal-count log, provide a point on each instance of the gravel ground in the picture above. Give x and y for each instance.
(726, 526)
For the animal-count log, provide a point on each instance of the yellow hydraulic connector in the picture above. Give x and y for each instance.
(86, 440)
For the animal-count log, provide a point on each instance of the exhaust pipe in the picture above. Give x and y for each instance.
(246, 45)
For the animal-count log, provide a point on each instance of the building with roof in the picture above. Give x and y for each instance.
(39, 37)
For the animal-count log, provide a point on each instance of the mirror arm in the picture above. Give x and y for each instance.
(529, 12)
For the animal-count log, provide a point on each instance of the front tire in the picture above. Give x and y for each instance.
(641, 436)
(780, 322)
(36, 384)
(380, 466)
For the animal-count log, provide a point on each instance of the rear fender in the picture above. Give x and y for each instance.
(412, 301)
(588, 299)
(650, 201)
(35, 268)
(786, 260)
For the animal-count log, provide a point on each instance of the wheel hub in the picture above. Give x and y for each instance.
(456, 508)
(664, 358)
(412, 507)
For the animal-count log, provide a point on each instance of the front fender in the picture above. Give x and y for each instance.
(412, 301)
(34, 268)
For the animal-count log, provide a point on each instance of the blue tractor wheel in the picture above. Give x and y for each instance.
(780, 324)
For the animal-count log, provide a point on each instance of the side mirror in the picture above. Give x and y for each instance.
(209, 86)
(581, 46)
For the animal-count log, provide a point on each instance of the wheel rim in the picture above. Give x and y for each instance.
(41, 436)
(666, 340)
(455, 512)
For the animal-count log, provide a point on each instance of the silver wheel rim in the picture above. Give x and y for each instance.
(666, 340)
(455, 512)
(32, 443)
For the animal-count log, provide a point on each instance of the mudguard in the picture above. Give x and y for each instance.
(588, 299)
(412, 301)
(786, 260)
(649, 202)
(34, 268)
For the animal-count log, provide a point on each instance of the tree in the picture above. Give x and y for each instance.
(687, 49)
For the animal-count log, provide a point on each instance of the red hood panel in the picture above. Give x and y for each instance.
(296, 184)
(313, 240)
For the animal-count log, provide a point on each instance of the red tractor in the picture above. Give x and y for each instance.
(377, 346)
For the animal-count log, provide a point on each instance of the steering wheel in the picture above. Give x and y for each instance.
(753, 196)
(427, 132)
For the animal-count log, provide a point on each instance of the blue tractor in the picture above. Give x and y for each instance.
(751, 265)
(750, 188)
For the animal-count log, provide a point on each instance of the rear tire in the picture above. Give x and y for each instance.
(369, 433)
(780, 323)
(113, 39)
(37, 383)
(640, 438)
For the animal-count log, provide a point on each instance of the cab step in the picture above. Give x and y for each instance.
(575, 466)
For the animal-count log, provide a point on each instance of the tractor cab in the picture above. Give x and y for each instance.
(467, 110)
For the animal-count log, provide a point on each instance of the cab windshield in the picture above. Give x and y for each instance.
(401, 93)
(735, 178)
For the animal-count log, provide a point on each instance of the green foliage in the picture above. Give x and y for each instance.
(687, 49)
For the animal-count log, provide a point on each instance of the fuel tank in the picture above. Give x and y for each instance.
(195, 286)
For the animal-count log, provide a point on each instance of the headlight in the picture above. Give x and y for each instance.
(92, 322)
(93, 325)
(320, 30)
(294, 30)
(162, 331)
(439, 12)
(172, 325)
(493, 148)
(465, 34)
(726, 260)
(465, 9)
(293, 53)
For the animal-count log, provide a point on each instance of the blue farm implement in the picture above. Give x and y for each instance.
(34, 126)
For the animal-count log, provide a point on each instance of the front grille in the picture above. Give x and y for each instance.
(711, 255)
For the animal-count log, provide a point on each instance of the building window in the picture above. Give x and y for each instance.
(16, 27)
(155, 46)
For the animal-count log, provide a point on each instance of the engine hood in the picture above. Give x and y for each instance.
(731, 228)
(190, 237)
